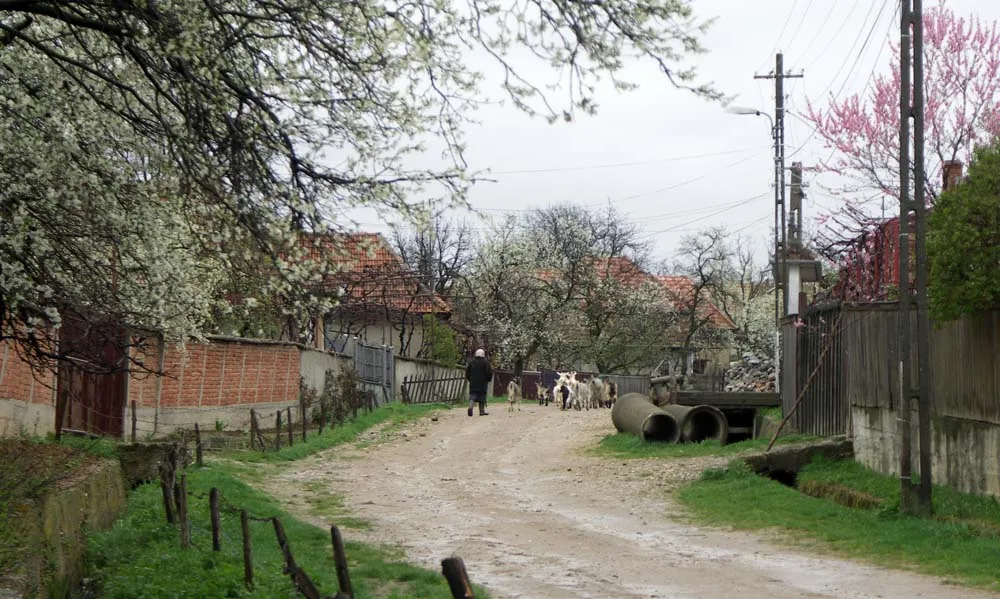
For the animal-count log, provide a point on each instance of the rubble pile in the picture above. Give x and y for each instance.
(751, 373)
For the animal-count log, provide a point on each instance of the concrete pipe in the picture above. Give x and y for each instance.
(699, 423)
(635, 413)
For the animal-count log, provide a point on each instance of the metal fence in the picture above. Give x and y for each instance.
(813, 373)
(376, 368)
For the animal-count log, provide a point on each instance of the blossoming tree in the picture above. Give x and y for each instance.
(151, 150)
(962, 112)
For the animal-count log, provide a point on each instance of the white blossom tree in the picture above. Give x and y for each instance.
(147, 147)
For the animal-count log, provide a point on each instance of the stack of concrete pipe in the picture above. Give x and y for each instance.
(635, 413)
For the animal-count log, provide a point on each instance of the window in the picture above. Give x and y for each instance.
(700, 366)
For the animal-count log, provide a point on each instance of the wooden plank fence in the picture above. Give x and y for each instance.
(429, 388)
(860, 366)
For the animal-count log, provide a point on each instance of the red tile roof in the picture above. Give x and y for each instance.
(682, 291)
(371, 273)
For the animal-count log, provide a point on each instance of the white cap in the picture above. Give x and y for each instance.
(480, 353)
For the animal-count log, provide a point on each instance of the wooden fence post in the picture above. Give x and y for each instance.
(458, 579)
(340, 560)
(213, 505)
(302, 582)
(253, 428)
(277, 432)
(134, 421)
(183, 511)
(247, 554)
(291, 433)
(198, 460)
(168, 501)
(305, 420)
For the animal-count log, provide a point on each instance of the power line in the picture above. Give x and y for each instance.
(849, 72)
(619, 164)
(699, 219)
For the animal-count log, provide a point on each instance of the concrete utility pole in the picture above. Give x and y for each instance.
(914, 387)
(780, 234)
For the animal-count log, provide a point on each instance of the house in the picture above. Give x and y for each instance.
(869, 270)
(701, 338)
(703, 323)
(382, 301)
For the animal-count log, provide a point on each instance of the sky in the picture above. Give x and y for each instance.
(674, 163)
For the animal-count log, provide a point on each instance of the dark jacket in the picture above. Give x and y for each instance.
(479, 373)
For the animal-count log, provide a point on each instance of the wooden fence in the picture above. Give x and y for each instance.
(175, 504)
(432, 389)
(860, 366)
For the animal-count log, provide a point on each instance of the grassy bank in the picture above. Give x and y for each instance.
(141, 555)
(626, 446)
(392, 415)
(961, 542)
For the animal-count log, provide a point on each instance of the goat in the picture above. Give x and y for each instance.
(598, 393)
(513, 396)
(542, 394)
(612, 392)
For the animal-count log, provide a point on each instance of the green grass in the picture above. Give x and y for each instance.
(101, 447)
(330, 505)
(141, 556)
(628, 446)
(394, 414)
(961, 542)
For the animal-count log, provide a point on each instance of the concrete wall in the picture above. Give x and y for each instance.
(27, 398)
(313, 365)
(965, 453)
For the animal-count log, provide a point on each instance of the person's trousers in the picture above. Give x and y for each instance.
(478, 397)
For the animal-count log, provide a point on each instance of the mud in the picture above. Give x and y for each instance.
(516, 497)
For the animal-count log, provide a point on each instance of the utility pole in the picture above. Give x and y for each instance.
(914, 387)
(780, 234)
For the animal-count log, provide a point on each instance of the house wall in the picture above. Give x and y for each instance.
(379, 331)
(27, 398)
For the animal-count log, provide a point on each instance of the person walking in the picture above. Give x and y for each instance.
(479, 373)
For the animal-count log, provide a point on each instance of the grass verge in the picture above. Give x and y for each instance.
(628, 446)
(395, 414)
(141, 556)
(960, 542)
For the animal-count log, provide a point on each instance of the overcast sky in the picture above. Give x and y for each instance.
(674, 163)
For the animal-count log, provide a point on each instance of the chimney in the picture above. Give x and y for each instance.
(951, 170)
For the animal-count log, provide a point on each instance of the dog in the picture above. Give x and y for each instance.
(513, 396)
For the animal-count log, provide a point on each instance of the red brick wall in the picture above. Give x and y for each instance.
(17, 381)
(219, 373)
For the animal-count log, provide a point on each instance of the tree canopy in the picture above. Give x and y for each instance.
(963, 242)
(147, 147)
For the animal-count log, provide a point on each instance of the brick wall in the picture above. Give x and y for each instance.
(18, 382)
(220, 373)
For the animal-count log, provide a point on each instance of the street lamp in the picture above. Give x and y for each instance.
(778, 204)
(778, 231)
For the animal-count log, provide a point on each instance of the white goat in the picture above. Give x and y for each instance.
(513, 396)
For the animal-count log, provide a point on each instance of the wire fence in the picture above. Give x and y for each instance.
(175, 503)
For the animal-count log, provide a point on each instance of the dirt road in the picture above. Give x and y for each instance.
(514, 496)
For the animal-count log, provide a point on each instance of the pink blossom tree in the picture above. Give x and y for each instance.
(962, 112)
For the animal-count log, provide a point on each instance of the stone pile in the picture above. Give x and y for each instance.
(751, 373)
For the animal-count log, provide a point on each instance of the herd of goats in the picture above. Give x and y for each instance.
(574, 394)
